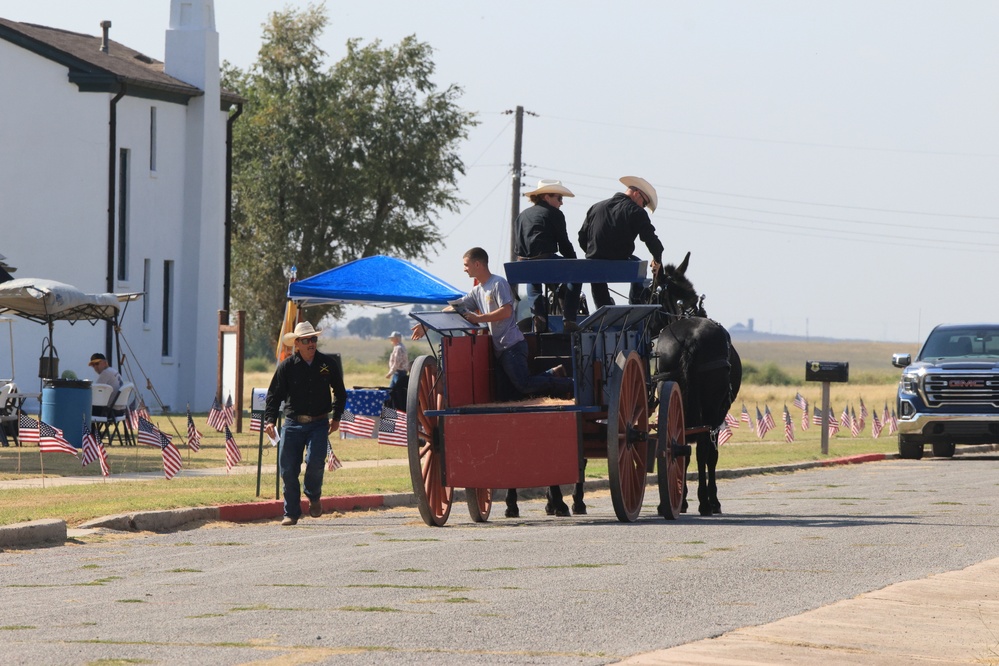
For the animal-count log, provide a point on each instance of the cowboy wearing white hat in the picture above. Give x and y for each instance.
(611, 227)
(540, 233)
(304, 383)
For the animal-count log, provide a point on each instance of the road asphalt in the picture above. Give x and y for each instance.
(943, 619)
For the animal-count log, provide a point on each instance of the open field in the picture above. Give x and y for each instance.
(870, 362)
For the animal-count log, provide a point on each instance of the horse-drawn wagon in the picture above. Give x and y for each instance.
(459, 436)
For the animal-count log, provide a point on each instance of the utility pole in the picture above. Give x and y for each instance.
(518, 136)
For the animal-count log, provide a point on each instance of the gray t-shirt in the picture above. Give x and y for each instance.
(491, 295)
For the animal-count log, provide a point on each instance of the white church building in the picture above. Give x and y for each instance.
(113, 178)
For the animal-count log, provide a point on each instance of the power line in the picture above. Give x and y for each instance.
(791, 201)
(810, 144)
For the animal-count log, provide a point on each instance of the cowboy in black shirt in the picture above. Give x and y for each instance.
(539, 233)
(303, 382)
(611, 227)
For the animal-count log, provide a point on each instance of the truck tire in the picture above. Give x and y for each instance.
(943, 450)
(908, 449)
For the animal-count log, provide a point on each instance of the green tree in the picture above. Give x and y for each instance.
(331, 165)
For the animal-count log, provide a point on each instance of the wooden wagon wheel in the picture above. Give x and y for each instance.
(480, 503)
(424, 439)
(627, 436)
(672, 454)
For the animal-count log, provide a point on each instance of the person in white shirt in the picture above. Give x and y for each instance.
(398, 368)
(106, 375)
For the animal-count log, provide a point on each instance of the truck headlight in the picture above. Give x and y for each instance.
(910, 383)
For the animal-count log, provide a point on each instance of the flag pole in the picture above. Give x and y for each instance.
(41, 464)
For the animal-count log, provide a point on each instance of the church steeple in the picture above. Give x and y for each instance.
(192, 44)
(192, 15)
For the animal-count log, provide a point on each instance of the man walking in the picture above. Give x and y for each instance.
(304, 382)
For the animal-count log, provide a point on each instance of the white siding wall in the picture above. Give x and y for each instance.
(53, 224)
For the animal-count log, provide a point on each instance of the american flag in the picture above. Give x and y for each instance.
(863, 414)
(229, 411)
(762, 427)
(805, 418)
(892, 422)
(724, 434)
(27, 429)
(764, 423)
(788, 426)
(731, 421)
(148, 434)
(193, 436)
(855, 424)
(332, 462)
(232, 453)
(392, 428)
(216, 417)
(93, 449)
(137, 413)
(800, 402)
(875, 425)
(256, 421)
(816, 416)
(352, 424)
(52, 440)
(844, 418)
(744, 416)
(171, 460)
(833, 423)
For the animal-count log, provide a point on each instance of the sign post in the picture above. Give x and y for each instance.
(258, 401)
(826, 372)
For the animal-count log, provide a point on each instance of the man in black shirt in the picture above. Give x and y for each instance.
(611, 227)
(303, 382)
(539, 233)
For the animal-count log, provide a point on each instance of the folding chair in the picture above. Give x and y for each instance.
(9, 410)
(116, 419)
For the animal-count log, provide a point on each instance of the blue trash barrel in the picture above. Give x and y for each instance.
(66, 405)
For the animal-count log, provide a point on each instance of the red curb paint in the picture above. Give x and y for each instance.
(853, 460)
(241, 513)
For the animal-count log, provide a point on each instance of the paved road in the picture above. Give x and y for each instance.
(380, 587)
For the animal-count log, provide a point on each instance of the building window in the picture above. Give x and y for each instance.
(123, 169)
(167, 307)
(146, 267)
(152, 139)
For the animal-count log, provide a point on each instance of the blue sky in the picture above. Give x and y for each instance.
(832, 167)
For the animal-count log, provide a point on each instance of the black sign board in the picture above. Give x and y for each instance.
(827, 371)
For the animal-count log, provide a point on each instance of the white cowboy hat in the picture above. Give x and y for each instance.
(645, 188)
(302, 330)
(550, 187)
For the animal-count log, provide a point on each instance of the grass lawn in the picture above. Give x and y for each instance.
(79, 503)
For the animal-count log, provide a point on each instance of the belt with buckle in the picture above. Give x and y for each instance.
(310, 419)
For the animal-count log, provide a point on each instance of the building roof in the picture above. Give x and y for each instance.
(92, 70)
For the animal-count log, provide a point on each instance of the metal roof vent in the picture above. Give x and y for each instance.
(105, 25)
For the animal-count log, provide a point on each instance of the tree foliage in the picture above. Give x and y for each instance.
(336, 164)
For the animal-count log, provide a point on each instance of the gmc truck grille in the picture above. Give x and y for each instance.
(962, 388)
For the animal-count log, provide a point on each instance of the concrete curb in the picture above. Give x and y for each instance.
(37, 532)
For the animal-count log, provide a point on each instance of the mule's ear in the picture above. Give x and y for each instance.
(682, 268)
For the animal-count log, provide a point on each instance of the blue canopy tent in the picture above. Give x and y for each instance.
(379, 280)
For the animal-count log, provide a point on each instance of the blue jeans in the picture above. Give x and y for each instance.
(296, 438)
(514, 364)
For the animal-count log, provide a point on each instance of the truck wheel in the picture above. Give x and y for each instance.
(908, 449)
(943, 450)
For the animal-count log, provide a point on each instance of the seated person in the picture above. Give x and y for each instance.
(105, 375)
(493, 297)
